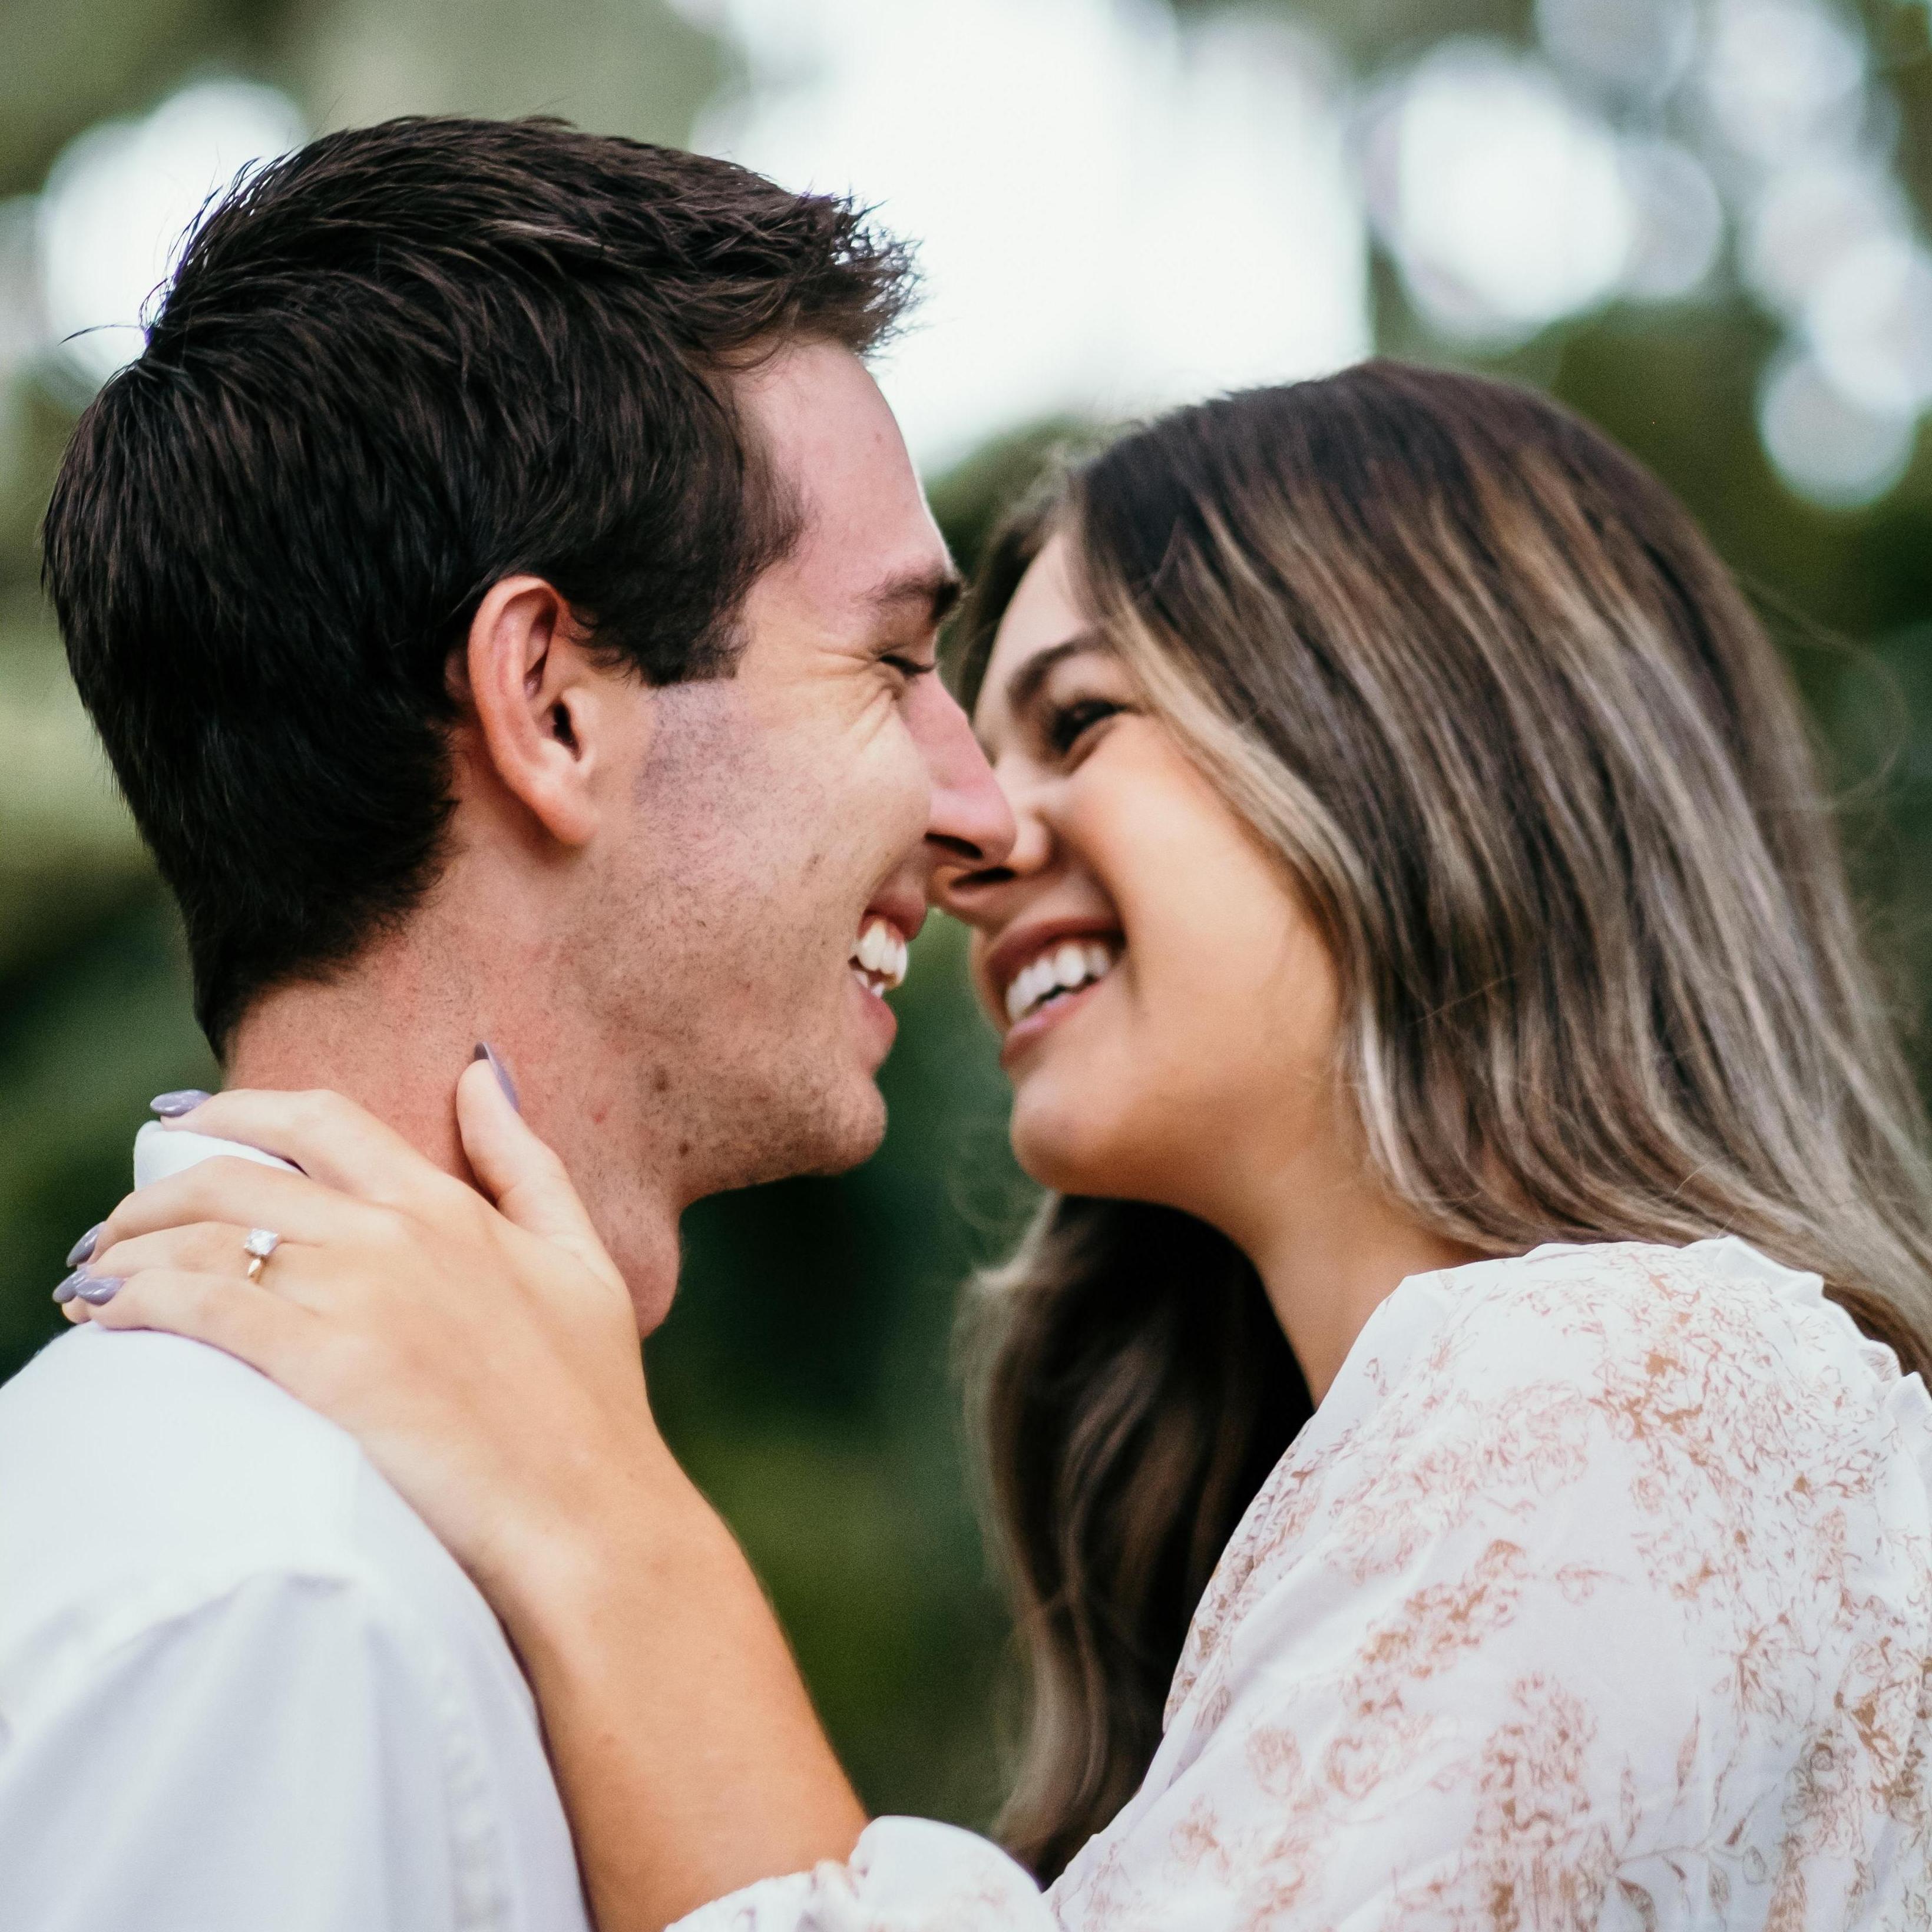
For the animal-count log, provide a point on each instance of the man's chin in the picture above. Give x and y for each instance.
(646, 1254)
(843, 1142)
(855, 1153)
(834, 1130)
(651, 1304)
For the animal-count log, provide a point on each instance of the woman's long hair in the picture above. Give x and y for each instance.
(1522, 746)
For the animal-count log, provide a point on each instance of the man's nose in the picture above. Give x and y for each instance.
(971, 821)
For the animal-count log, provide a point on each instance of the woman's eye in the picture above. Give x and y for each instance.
(1067, 724)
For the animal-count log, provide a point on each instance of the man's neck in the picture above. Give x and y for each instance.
(392, 1058)
(394, 1035)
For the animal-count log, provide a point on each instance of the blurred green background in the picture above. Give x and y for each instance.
(1724, 269)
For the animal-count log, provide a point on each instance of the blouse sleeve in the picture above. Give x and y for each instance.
(907, 1875)
(1524, 1629)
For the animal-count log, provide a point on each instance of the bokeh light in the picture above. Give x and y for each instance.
(1780, 76)
(1826, 446)
(1808, 214)
(1502, 198)
(1632, 50)
(1678, 221)
(1869, 321)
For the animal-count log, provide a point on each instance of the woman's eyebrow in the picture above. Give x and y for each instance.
(1023, 685)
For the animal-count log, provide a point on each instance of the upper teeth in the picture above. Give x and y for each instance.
(1060, 968)
(880, 954)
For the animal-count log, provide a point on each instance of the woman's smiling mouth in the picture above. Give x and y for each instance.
(1040, 974)
(1057, 970)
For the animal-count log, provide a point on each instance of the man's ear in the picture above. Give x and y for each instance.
(543, 706)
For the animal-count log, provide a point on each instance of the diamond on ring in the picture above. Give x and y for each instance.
(262, 1243)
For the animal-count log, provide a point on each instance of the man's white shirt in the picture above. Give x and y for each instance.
(243, 1688)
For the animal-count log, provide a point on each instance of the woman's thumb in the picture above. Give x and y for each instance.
(517, 1170)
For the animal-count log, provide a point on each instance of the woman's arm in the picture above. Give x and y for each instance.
(689, 1758)
(1596, 1589)
(488, 1363)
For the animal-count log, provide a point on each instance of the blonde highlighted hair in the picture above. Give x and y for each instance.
(1523, 747)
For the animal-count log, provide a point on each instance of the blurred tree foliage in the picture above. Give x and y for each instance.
(805, 1373)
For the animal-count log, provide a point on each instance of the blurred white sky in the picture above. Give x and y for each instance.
(1110, 214)
(1115, 211)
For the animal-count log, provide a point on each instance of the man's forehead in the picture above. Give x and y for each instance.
(821, 416)
(872, 543)
(865, 535)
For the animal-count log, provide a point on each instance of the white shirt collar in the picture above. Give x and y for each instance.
(159, 1151)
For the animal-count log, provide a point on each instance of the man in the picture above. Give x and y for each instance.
(509, 609)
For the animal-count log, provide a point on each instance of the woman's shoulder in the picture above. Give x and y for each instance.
(1682, 1445)
(1708, 1373)
(1579, 1402)
(1691, 1325)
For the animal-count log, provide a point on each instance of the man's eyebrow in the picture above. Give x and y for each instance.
(1023, 687)
(934, 592)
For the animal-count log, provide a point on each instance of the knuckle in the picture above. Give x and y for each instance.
(122, 1225)
(475, 1216)
(395, 1229)
(132, 1307)
(352, 1358)
(213, 1245)
(199, 1298)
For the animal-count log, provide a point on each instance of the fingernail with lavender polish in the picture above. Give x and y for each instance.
(182, 1100)
(94, 1289)
(69, 1288)
(82, 1250)
(502, 1072)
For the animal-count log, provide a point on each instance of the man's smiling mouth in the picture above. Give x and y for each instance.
(878, 956)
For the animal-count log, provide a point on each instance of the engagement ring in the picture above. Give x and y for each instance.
(260, 1244)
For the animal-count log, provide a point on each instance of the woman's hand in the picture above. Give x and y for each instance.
(487, 1358)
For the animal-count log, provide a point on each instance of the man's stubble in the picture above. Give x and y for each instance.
(714, 982)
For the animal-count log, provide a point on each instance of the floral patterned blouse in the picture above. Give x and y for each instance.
(1597, 1593)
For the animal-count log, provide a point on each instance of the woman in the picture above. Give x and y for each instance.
(1447, 1423)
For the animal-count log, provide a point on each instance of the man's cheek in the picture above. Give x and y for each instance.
(900, 792)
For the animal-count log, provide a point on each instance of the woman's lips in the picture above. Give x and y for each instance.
(1021, 1036)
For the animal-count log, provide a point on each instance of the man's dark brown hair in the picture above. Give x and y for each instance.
(394, 368)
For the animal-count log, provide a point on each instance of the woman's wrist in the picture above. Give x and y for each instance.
(687, 1750)
(628, 1532)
